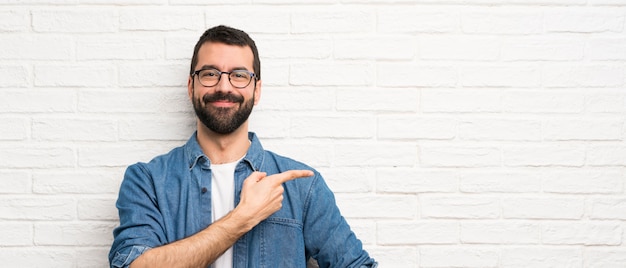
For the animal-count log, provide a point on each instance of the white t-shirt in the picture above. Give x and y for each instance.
(223, 201)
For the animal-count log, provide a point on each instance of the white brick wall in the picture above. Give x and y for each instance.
(486, 133)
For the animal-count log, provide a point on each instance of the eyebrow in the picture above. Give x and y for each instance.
(205, 67)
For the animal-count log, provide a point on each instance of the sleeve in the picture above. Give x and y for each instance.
(328, 237)
(140, 220)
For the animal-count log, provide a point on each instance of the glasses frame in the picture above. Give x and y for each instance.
(220, 73)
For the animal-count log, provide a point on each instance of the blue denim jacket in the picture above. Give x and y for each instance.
(169, 199)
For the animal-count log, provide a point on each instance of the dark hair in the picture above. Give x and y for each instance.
(229, 36)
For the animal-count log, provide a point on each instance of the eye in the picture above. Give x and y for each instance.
(209, 74)
(240, 75)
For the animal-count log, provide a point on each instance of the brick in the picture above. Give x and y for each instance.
(14, 21)
(92, 256)
(501, 21)
(337, 74)
(376, 154)
(16, 234)
(460, 100)
(173, 127)
(37, 208)
(77, 182)
(15, 182)
(418, 233)
(180, 47)
(350, 179)
(295, 99)
(250, 18)
(37, 47)
(606, 49)
(545, 48)
(405, 127)
(77, 20)
(160, 19)
(510, 75)
(317, 21)
(403, 100)
(153, 75)
(576, 75)
(38, 100)
(365, 230)
(584, 20)
(544, 155)
(417, 20)
(120, 154)
(97, 209)
(14, 129)
(74, 234)
(503, 232)
(38, 257)
(543, 102)
(499, 129)
(545, 207)
(458, 256)
(459, 48)
(315, 154)
(395, 256)
(139, 100)
(343, 126)
(120, 48)
(608, 208)
(377, 207)
(74, 129)
(606, 155)
(410, 75)
(75, 75)
(459, 156)
(123, 2)
(604, 257)
(583, 182)
(295, 48)
(275, 74)
(459, 207)
(269, 124)
(500, 181)
(387, 48)
(36, 156)
(541, 256)
(586, 129)
(582, 233)
(411, 180)
(606, 102)
(15, 76)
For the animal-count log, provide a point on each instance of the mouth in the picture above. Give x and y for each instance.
(222, 100)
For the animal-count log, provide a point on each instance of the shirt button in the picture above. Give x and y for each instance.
(204, 190)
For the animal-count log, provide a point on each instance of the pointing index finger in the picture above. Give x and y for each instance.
(294, 174)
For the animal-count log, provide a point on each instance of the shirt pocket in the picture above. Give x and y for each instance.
(282, 243)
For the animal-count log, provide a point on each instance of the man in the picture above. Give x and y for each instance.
(221, 199)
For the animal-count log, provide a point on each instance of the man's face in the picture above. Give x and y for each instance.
(223, 108)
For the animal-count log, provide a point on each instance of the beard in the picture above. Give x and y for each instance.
(222, 120)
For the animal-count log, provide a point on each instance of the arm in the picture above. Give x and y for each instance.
(260, 197)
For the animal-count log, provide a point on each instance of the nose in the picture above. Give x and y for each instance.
(224, 83)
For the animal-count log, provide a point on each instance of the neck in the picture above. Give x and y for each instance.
(223, 148)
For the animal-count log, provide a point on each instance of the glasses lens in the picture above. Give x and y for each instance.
(240, 78)
(209, 78)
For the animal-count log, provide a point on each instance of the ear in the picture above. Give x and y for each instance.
(190, 87)
(257, 92)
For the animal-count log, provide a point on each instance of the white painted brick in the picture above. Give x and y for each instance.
(38, 100)
(294, 99)
(460, 100)
(337, 74)
(395, 127)
(77, 20)
(295, 48)
(604, 257)
(250, 18)
(459, 156)
(410, 75)
(269, 124)
(15, 182)
(133, 101)
(14, 20)
(411, 180)
(607, 2)
(15, 76)
(92, 256)
(16, 234)
(607, 102)
(36, 156)
(393, 256)
(77, 182)
(500, 129)
(582, 233)
(510, 75)
(503, 232)
(74, 234)
(541, 257)
(315, 154)
(74, 129)
(318, 21)
(14, 128)
(124, 2)
(606, 49)
(575, 75)
(382, 48)
(275, 74)
(545, 48)
(123, 48)
(501, 21)
(37, 257)
(181, 47)
(378, 206)
(459, 207)
(459, 48)
(75, 75)
(584, 20)
(458, 256)
(157, 128)
(376, 154)
(365, 230)
(97, 209)
(398, 100)
(543, 101)
(154, 75)
(120, 154)
(544, 155)
(543, 208)
(585, 129)
(37, 208)
(611, 208)
(161, 19)
(583, 182)
(500, 181)
(342, 126)
(37, 47)
(416, 233)
(606, 155)
(417, 19)
(350, 179)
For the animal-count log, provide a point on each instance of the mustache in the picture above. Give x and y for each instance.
(220, 96)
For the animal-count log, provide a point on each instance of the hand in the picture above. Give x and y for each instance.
(262, 195)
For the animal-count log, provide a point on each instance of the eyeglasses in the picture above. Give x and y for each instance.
(237, 78)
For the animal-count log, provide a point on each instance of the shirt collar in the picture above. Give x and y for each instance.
(195, 155)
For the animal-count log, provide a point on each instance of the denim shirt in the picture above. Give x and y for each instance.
(169, 199)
